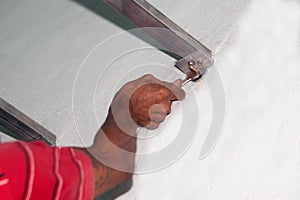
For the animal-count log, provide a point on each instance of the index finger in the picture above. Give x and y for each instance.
(177, 93)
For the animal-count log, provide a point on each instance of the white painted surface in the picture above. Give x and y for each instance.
(258, 155)
(211, 22)
(42, 45)
(5, 138)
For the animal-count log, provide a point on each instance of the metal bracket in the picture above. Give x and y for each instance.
(20, 126)
(175, 40)
(200, 60)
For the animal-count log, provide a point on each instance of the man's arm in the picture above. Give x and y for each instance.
(144, 102)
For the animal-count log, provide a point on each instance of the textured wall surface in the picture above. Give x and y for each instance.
(211, 22)
(42, 48)
(258, 155)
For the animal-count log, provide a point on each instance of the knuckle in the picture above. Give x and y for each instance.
(152, 126)
(148, 76)
(159, 119)
(162, 119)
(168, 110)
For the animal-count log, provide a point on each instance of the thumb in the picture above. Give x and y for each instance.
(176, 90)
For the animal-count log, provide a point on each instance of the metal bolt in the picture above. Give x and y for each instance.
(199, 63)
(192, 67)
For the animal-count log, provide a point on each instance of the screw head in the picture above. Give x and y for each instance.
(199, 63)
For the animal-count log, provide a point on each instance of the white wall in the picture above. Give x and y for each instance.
(209, 21)
(258, 154)
(43, 45)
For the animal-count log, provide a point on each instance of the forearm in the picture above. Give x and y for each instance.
(145, 102)
(106, 177)
(112, 155)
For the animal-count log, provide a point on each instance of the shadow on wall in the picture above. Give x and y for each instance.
(103, 10)
(108, 13)
(116, 192)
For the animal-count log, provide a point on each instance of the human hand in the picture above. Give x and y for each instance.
(145, 102)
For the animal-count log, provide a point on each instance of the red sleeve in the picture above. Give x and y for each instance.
(37, 171)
